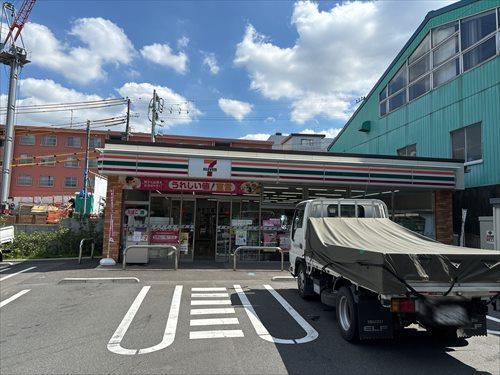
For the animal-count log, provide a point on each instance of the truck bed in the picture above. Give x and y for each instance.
(385, 257)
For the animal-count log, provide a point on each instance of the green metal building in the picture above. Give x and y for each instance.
(440, 97)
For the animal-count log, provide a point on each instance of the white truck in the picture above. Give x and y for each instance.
(6, 236)
(382, 277)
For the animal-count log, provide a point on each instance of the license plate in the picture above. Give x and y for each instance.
(450, 315)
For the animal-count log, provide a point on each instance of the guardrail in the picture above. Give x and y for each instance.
(81, 249)
(272, 248)
(172, 249)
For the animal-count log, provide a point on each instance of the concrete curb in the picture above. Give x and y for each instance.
(283, 278)
(120, 280)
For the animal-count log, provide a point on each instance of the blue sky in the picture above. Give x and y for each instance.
(231, 68)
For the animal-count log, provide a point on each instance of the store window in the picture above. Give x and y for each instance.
(410, 150)
(71, 162)
(24, 180)
(49, 140)
(46, 181)
(74, 142)
(27, 139)
(466, 143)
(70, 181)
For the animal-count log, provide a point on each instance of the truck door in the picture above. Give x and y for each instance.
(297, 233)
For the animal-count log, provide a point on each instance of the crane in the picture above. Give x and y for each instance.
(15, 57)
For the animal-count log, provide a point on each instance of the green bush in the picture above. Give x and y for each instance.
(62, 242)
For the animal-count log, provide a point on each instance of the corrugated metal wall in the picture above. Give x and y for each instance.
(471, 97)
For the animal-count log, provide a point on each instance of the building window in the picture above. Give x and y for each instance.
(46, 181)
(410, 150)
(74, 142)
(70, 181)
(444, 53)
(25, 159)
(49, 140)
(27, 139)
(24, 180)
(466, 143)
(307, 142)
(48, 161)
(93, 163)
(72, 162)
(95, 142)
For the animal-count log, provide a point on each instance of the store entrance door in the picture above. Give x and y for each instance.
(206, 215)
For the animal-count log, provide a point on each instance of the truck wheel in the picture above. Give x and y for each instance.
(304, 282)
(347, 315)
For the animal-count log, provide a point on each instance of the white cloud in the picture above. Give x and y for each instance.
(182, 42)
(211, 62)
(162, 54)
(177, 109)
(329, 133)
(102, 42)
(339, 54)
(235, 108)
(44, 91)
(256, 137)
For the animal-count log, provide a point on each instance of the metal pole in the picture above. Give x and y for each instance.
(127, 126)
(86, 168)
(9, 132)
(153, 117)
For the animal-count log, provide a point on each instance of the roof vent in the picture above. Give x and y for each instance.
(365, 127)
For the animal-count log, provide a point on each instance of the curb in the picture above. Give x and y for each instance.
(283, 278)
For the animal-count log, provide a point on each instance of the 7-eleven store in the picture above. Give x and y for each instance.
(210, 200)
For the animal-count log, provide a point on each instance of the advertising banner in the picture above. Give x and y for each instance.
(165, 237)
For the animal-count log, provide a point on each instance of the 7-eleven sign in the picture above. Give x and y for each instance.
(211, 168)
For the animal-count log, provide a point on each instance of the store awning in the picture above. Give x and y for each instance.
(278, 167)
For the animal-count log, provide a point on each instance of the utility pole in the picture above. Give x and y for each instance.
(86, 168)
(154, 116)
(127, 126)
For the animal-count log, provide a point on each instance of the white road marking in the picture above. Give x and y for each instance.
(5, 269)
(223, 310)
(210, 289)
(493, 318)
(211, 302)
(311, 333)
(209, 295)
(14, 297)
(16, 273)
(170, 328)
(494, 332)
(98, 279)
(213, 322)
(215, 334)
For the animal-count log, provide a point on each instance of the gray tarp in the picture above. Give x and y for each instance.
(371, 252)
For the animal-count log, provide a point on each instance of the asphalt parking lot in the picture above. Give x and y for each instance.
(194, 321)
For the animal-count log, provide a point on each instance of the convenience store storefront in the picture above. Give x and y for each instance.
(210, 200)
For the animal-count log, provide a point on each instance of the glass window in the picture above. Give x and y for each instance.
(49, 140)
(480, 53)
(298, 218)
(46, 181)
(347, 210)
(383, 108)
(466, 143)
(332, 210)
(421, 50)
(27, 139)
(73, 142)
(420, 67)
(475, 28)
(420, 87)
(307, 142)
(445, 51)
(93, 163)
(446, 72)
(397, 101)
(95, 142)
(72, 162)
(441, 33)
(410, 150)
(25, 159)
(70, 181)
(398, 82)
(383, 94)
(24, 180)
(48, 160)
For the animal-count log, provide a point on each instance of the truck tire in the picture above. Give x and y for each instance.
(304, 282)
(347, 315)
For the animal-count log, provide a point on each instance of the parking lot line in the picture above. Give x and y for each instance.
(209, 295)
(213, 321)
(208, 289)
(5, 269)
(493, 318)
(222, 310)
(14, 297)
(219, 334)
(211, 302)
(16, 273)
(490, 331)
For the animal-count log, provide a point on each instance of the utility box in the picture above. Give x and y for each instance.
(487, 235)
(495, 202)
